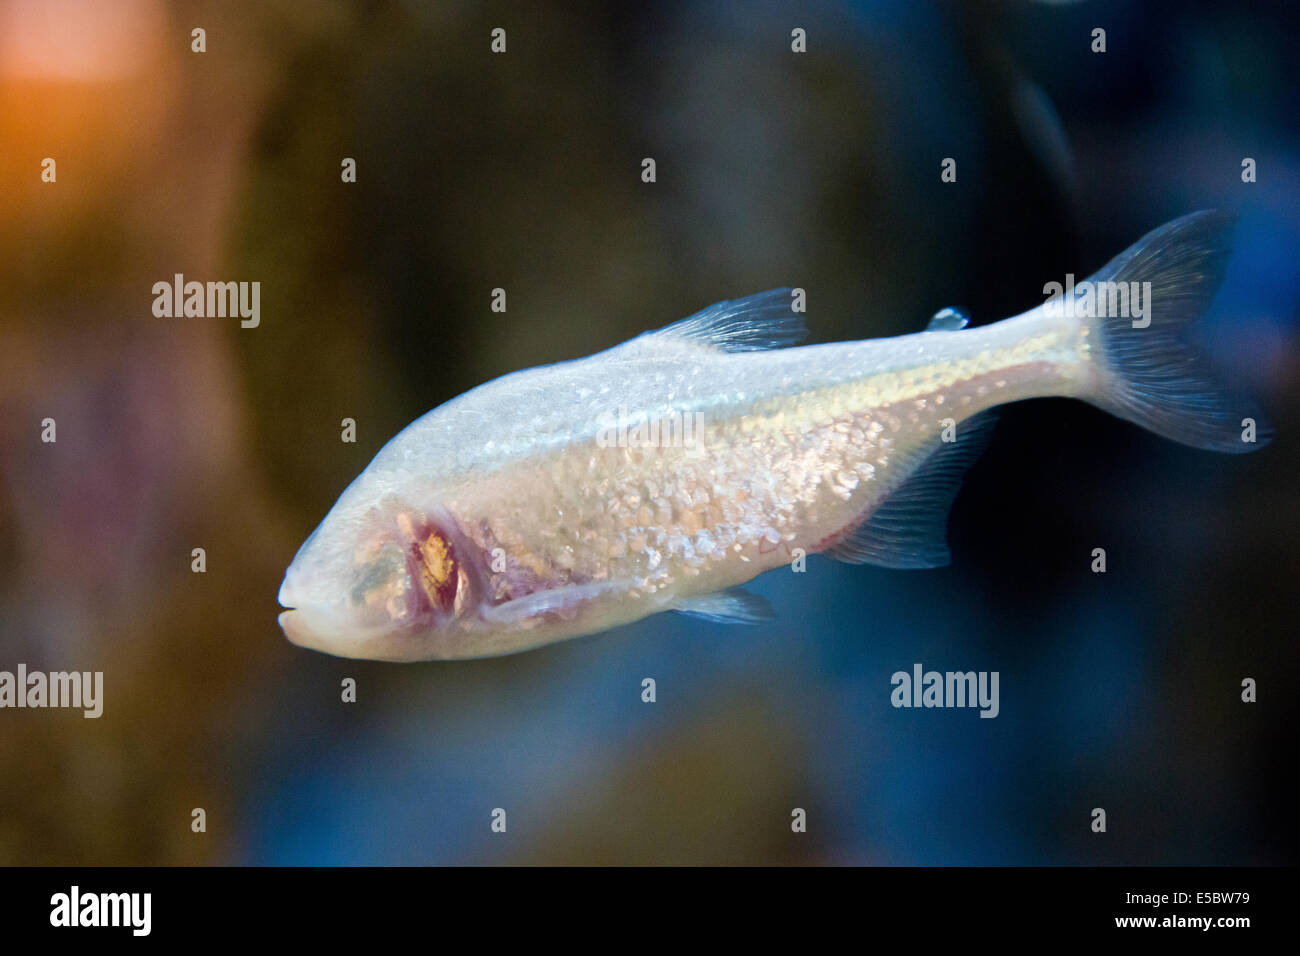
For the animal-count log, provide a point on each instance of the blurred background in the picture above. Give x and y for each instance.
(523, 171)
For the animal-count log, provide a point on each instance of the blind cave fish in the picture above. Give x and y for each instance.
(664, 473)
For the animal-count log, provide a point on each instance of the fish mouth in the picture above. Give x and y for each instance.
(284, 598)
(305, 627)
(317, 627)
(299, 630)
(295, 628)
(292, 620)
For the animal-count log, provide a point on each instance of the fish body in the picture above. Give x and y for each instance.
(663, 473)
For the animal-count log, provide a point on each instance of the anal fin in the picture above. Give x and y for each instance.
(909, 528)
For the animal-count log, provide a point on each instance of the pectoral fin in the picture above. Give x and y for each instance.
(736, 606)
(565, 601)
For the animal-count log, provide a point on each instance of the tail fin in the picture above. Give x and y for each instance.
(1148, 373)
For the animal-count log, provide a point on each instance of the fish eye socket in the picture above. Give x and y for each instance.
(408, 572)
(380, 584)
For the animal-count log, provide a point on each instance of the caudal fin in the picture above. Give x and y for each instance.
(1149, 373)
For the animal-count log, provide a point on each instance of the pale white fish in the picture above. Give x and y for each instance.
(530, 509)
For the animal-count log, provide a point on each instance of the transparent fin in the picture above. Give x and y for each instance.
(736, 606)
(762, 321)
(909, 529)
(1152, 376)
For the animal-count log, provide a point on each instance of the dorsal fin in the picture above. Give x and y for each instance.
(762, 321)
(910, 528)
(948, 320)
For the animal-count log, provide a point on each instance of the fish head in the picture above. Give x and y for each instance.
(385, 582)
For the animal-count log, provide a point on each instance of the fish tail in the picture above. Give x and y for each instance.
(1145, 369)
